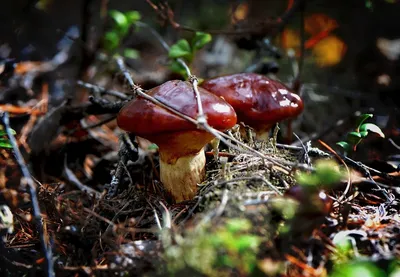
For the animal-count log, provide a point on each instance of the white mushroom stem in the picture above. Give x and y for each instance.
(180, 177)
(262, 135)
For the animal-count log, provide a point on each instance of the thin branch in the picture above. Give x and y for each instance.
(71, 177)
(101, 90)
(28, 181)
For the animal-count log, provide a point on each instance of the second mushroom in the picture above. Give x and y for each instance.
(259, 101)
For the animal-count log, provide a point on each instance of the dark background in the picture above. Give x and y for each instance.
(32, 34)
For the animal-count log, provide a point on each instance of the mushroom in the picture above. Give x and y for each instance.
(181, 144)
(259, 101)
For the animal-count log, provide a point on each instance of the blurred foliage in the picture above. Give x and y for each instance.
(365, 268)
(120, 26)
(327, 173)
(213, 252)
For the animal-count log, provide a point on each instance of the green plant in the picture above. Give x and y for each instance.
(4, 141)
(182, 49)
(240, 247)
(362, 130)
(358, 269)
(327, 173)
(213, 252)
(120, 26)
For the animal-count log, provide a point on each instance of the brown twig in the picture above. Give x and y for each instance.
(28, 181)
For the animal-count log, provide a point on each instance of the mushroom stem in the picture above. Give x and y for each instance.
(262, 134)
(181, 176)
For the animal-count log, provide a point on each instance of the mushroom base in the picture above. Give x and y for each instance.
(181, 177)
(262, 135)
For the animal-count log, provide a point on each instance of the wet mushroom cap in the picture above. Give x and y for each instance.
(258, 100)
(168, 130)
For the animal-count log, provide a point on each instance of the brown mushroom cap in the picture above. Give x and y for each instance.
(168, 130)
(259, 101)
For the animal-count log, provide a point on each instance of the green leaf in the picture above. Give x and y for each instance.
(200, 39)
(354, 138)
(246, 242)
(131, 53)
(132, 16)
(111, 41)
(356, 269)
(178, 68)
(5, 143)
(344, 145)
(372, 128)
(238, 225)
(363, 134)
(362, 118)
(122, 24)
(4, 133)
(181, 49)
(119, 18)
(307, 179)
(327, 172)
(152, 146)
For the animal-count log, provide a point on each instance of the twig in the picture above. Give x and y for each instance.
(349, 179)
(97, 124)
(28, 181)
(71, 177)
(101, 90)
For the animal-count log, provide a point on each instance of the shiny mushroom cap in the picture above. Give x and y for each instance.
(181, 143)
(166, 129)
(259, 101)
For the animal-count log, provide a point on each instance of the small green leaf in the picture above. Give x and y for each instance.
(111, 41)
(152, 146)
(235, 225)
(358, 268)
(4, 133)
(327, 172)
(132, 16)
(4, 143)
(362, 118)
(181, 49)
(119, 18)
(354, 134)
(131, 53)
(307, 179)
(363, 134)
(122, 23)
(372, 128)
(246, 242)
(354, 138)
(178, 68)
(200, 39)
(344, 145)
